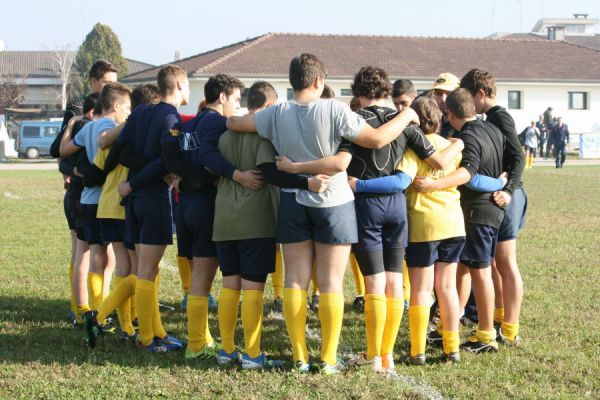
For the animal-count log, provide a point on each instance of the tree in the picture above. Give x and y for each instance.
(12, 90)
(100, 43)
(63, 64)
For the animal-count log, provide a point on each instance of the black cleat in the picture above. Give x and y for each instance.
(92, 328)
(452, 357)
(419, 359)
(435, 339)
(359, 304)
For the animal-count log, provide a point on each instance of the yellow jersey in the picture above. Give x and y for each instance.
(109, 204)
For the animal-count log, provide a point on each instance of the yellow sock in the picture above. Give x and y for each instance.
(498, 315)
(331, 313)
(157, 326)
(81, 309)
(120, 298)
(313, 278)
(132, 302)
(294, 312)
(375, 309)
(359, 279)
(277, 276)
(451, 341)
(144, 303)
(95, 287)
(393, 317)
(252, 317)
(510, 330)
(197, 312)
(73, 302)
(405, 282)
(228, 315)
(486, 336)
(418, 320)
(185, 272)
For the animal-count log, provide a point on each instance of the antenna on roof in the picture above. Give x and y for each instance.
(580, 15)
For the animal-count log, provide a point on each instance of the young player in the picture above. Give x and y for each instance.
(312, 225)
(444, 84)
(115, 103)
(508, 281)
(403, 93)
(484, 146)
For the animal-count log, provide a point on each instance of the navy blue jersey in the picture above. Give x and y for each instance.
(147, 128)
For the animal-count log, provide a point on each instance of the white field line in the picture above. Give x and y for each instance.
(9, 195)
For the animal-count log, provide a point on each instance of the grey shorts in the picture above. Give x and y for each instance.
(330, 225)
(514, 217)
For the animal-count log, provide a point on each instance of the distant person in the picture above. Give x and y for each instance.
(328, 93)
(548, 119)
(355, 104)
(531, 142)
(403, 93)
(560, 138)
(445, 83)
(542, 138)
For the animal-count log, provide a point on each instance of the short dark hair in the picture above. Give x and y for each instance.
(328, 92)
(218, 84)
(477, 79)
(91, 103)
(144, 94)
(113, 92)
(259, 93)
(167, 78)
(304, 69)
(460, 103)
(101, 67)
(403, 86)
(430, 115)
(372, 83)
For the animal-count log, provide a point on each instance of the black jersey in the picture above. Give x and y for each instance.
(369, 163)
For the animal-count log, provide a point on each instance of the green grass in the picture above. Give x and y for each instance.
(42, 357)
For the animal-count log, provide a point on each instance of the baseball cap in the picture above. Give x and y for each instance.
(446, 81)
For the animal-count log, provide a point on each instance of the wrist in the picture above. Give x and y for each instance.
(236, 175)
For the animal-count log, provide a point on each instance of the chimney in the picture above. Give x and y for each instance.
(177, 55)
(580, 15)
(556, 33)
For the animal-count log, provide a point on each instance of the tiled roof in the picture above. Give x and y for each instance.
(592, 41)
(41, 64)
(410, 57)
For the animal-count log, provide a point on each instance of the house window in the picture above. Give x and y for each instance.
(244, 98)
(578, 101)
(514, 99)
(290, 93)
(346, 92)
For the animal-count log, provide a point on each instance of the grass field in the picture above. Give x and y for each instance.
(41, 356)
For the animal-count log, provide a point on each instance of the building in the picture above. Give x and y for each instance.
(37, 71)
(531, 75)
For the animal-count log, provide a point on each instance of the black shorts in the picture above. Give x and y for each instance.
(376, 262)
(113, 230)
(480, 246)
(330, 225)
(71, 207)
(194, 217)
(425, 254)
(148, 221)
(90, 231)
(253, 259)
(382, 223)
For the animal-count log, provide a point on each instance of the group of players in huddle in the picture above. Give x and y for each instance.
(429, 188)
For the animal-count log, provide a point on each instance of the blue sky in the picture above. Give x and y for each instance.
(152, 33)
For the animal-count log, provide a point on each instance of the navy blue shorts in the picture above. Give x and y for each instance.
(424, 254)
(330, 225)
(113, 230)
(480, 246)
(382, 223)
(90, 231)
(194, 217)
(253, 259)
(514, 216)
(148, 221)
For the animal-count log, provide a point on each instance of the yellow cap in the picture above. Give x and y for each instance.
(446, 81)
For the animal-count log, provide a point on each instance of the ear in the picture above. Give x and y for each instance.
(317, 82)
(222, 98)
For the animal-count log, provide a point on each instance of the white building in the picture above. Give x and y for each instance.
(532, 73)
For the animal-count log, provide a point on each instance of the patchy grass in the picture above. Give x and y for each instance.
(42, 357)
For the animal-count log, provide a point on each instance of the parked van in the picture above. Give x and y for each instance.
(36, 137)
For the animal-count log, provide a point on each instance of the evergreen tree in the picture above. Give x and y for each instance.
(100, 43)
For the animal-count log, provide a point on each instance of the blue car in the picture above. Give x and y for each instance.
(36, 137)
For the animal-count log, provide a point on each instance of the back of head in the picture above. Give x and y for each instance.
(403, 86)
(460, 103)
(328, 93)
(167, 78)
(218, 84)
(477, 79)
(99, 68)
(430, 115)
(260, 93)
(304, 70)
(91, 102)
(372, 83)
(112, 93)
(355, 104)
(144, 94)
